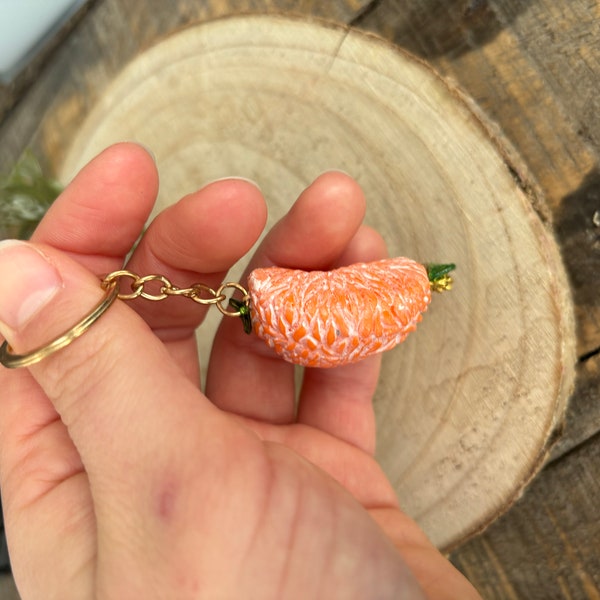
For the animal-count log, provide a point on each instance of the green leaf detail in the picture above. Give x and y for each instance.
(25, 196)
(244, 310)
(439, 278)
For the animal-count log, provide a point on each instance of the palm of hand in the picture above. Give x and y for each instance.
(146, 488)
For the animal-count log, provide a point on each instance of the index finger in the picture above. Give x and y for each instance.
(102, 212)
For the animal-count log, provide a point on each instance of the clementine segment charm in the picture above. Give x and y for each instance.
(332, 318)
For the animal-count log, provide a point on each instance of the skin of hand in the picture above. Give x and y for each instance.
(121, 479)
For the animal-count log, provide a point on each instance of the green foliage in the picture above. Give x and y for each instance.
(25, 196)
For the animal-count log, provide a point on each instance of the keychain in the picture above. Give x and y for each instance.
(311, 318)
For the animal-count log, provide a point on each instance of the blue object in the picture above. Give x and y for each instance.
(25, 26)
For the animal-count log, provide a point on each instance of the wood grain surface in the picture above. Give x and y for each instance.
(533, 67)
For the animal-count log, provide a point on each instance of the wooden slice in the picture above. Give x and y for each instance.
(468, 405)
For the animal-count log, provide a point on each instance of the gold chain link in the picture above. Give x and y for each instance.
(198, 292)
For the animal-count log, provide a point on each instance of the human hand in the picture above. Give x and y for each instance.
(121, 479)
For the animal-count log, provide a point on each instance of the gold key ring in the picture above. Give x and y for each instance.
(12, 361)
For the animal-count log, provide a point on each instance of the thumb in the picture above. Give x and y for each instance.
(132, 414)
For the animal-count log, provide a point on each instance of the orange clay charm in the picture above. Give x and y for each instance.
(333, 318)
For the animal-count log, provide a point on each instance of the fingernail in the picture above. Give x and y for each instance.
(250, 181)
(28, 282)
(147, 149)
(330, 171)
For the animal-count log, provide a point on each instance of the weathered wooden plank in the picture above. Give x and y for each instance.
(583, 417)
(548, 546)
(521, 61)
(8, 591)
(577, 227)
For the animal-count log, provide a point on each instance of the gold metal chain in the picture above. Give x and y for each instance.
(140, 287)
(198, 292)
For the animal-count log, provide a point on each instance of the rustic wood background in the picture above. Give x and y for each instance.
(533, 66)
